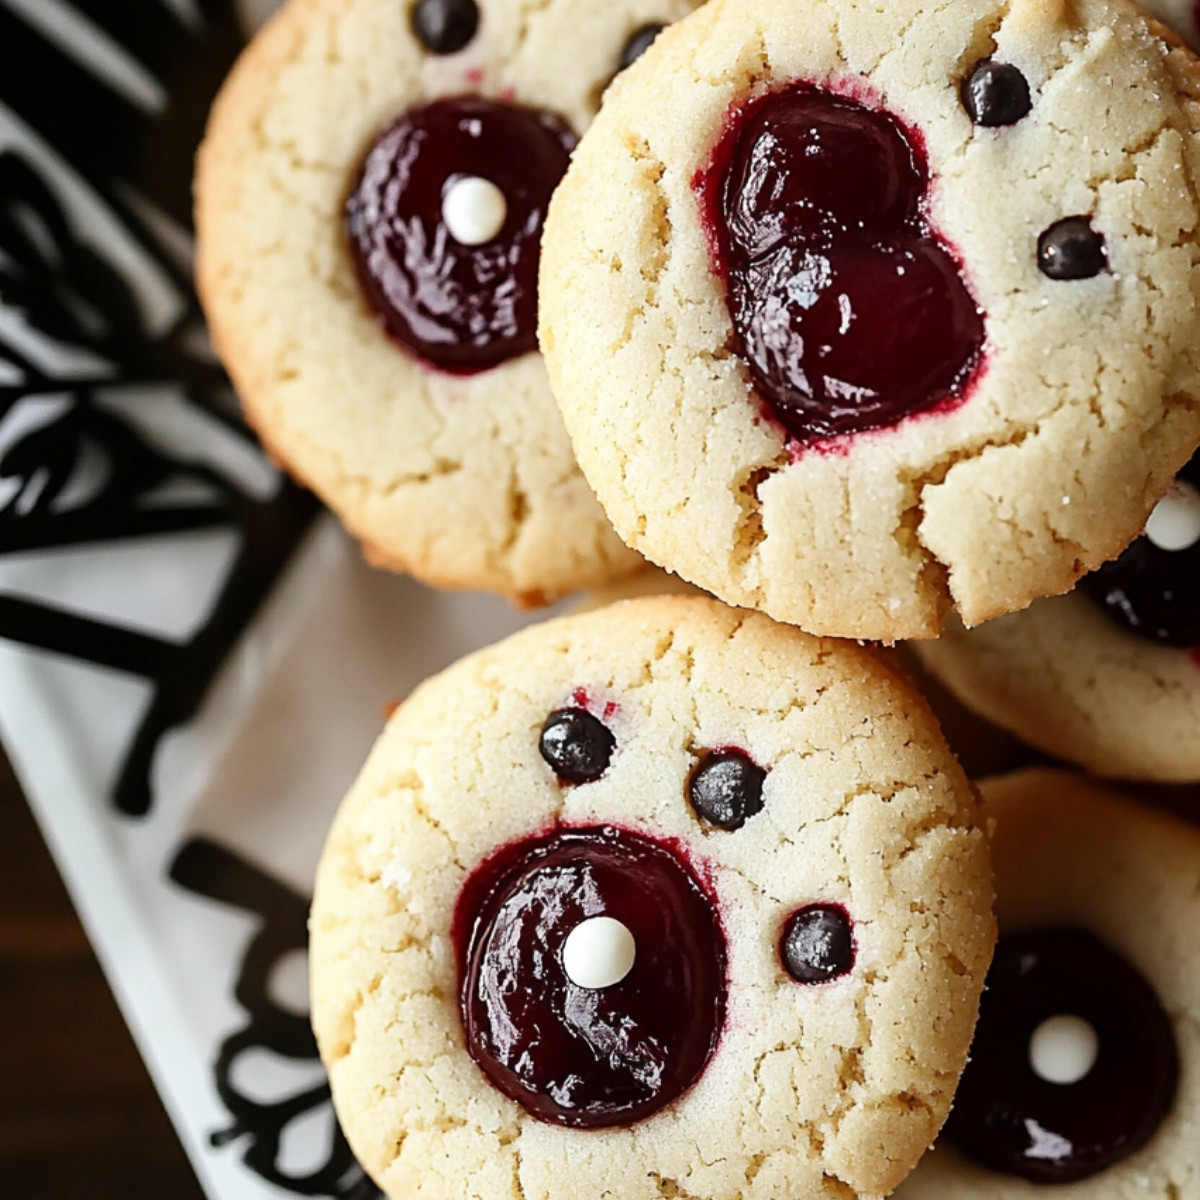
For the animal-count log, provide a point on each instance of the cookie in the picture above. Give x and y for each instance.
(1179, 15)
(369, 200)
(649, 581)
(1085, 1069)
(768, 826)
(860, 313)
(1107, 677)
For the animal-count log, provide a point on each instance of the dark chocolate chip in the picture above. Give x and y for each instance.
(726, 789)
(577, 745)
(995, 94)
(817, 943)
(445, 26)
(1071, 249)
(638, 43)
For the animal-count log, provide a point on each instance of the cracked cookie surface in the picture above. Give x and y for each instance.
(463, 479)
(1074, 226)
(1072, 855)
(1180, 15)
(1064, 678)
(831, 1089)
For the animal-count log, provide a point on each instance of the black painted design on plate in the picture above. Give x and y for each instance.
(208, 869)
(132, 162)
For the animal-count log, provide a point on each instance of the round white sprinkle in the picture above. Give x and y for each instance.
(598, 952)
(1063, 1049)
(474, 210)
(1175, 522)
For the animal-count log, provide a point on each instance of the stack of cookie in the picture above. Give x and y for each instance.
(876, 322)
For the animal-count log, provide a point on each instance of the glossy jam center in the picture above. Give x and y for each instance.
(457, 304)
(589, 1056)
(1010, 1115)
(849, 310)
(1151, 591)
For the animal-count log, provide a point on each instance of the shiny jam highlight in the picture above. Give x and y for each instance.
(849, 310)
(574, 1055)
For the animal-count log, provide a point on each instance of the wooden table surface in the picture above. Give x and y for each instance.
(79, 1117)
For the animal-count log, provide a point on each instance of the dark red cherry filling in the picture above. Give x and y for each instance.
(848, 308)
(1152, 592)
(1012, 1119)
(589, 1056)
(459, 307)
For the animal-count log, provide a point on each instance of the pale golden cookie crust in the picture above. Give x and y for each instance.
(464, 481)
(1064, 678)
(1088, 401)
(1070, 852)
(831, 1091)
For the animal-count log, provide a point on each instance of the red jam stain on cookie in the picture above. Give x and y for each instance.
(445, 225)
(1153, 588)
(1074, 1063)
(592, 970)
(848, 307)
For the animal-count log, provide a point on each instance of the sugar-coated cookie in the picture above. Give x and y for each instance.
(370, 196)
(660, 900)
(1084, 1079)
(859, 312)
(1108, 676)
(1179, 15)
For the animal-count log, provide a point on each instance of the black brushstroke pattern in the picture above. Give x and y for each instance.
(208, 869)
(67, 289)
(104, 136)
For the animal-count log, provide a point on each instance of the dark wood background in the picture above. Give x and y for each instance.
(79, 1117)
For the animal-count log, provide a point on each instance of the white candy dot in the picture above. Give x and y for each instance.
(474, 210)
(1175, 522)
(1063, 1049)
(598, 952)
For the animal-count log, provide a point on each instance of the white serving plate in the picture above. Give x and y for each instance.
(193, 659)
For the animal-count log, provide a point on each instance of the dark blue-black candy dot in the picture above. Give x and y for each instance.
(445, 26)
(725, 789)
(576, 745)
